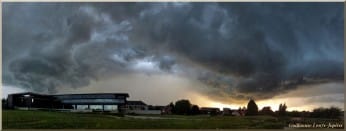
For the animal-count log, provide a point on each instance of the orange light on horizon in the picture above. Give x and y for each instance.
(222, 105)
(274, 103)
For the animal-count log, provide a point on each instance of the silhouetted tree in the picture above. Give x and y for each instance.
(171, 106)
(282, 109)
(332, 112)
(182, 107)
(195, 110)
(252, 108)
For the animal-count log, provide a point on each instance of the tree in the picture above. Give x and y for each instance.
(332, 112)
(194, 110)
(171, 106)
(252, 108)
(282, 109)
(182, 107)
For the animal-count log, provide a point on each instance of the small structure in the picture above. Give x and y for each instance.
(210, 110)
(167, 110)
(136, 105)
(239, 112)
(139, 107)
(226, 111)
(236, 113)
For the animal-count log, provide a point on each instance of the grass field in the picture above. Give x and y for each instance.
(16, 119)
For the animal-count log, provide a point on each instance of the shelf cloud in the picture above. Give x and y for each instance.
(236, 51)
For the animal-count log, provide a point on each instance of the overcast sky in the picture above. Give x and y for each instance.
(215, 54)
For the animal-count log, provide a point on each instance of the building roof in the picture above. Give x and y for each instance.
(266, 107)
(136, 103)
(72, 95)
(210, 108)
(28, 93)
(119, 94)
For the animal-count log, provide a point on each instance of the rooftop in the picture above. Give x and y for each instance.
(136, 103)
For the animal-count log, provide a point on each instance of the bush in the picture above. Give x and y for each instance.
(195, 110)
(182, 107)
(332, 112)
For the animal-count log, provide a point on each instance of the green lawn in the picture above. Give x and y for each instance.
(15, 119)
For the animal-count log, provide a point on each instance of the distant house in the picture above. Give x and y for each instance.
(210, 110)
(136, 105)
(151, 107)
(236, 113)
(226, 111)
(239, 112)
(167, 110)
(139, 107)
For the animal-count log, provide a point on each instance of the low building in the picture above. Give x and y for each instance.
(93, 101)
(167, 110)
(136, 105)
(236, 113)
(226, 111)
(239, 112)
(210, 110)
(139, 107)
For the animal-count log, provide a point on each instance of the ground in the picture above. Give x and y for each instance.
(16, 119)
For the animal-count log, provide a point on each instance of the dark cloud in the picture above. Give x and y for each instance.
(239, 50)
(270, 47)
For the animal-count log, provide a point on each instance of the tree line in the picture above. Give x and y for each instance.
(184, 107)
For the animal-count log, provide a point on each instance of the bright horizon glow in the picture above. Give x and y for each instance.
(222, 105)
(274, 103)
(261, 104)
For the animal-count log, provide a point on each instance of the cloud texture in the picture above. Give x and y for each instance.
(236, 50)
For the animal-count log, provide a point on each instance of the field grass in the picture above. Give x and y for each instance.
(16, 119)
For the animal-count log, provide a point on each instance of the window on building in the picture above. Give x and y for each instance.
(111, 107)
(96, 107)
(82, 107)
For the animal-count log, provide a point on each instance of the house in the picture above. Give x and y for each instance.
(226, 111)
(236, 113)
(135, 105)
(239, 112)
(167, 110)
(210, 110)
(139, 107)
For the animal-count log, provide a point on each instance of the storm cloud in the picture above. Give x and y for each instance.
(237, 50)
